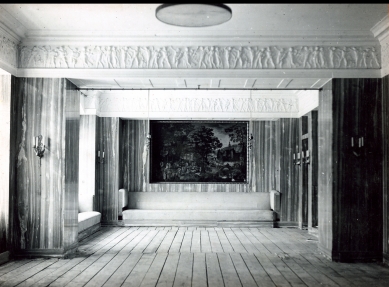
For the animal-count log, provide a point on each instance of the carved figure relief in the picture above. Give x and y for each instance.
(211, 57)
(233, 105)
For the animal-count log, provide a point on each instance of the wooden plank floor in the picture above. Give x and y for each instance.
(190, 256)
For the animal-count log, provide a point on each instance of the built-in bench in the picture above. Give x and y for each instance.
(198, 208)
(88, 223)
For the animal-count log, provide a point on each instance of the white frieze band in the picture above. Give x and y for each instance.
(199, 105)
(200, 57)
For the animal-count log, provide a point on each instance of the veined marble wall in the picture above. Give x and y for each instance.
(72, 143)
(5, 110)
(107, 168)
(44, 194)
(289, 173)
(325, 169)
(350, 170)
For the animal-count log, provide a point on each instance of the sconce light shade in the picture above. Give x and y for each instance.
(39, 147)
(193, 15)
(250, 141)
(148, 141)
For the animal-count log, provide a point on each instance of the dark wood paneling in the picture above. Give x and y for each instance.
(351, 178)
(385, 132)
(264, 162)
(107, 173)
(40, 194)
(5, 112)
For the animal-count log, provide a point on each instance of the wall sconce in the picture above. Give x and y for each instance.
(357, 148)
(296, 159)
(100, 159)
(306, 160)
(250, 142)
(39, 147)
(148, 141)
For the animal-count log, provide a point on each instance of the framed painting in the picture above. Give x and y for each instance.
(199, 151)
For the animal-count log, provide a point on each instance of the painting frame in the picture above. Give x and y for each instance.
(197, 152)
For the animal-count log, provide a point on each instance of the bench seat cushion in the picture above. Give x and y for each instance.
(88, 219)
(199, 200)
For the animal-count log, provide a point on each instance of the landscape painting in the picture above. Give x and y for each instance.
(198, 151)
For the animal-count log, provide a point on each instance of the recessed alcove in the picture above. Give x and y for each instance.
(122, 126)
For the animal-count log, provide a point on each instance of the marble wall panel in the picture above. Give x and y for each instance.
(312, 171)
(42, 204)
(385, 127)
(5, 110)
(72, 139)
(107, 168)
(289, 173)
(350, 170)
(265, 169)
(325, 168)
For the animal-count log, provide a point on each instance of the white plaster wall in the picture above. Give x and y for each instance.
(308, 100)
(385, 55)
(381, 32)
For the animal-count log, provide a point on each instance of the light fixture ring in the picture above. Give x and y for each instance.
(193, 15)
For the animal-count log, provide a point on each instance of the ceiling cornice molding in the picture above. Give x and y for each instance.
(243, 38)
(33, 33)
(199, 73)
(8, 68)
(11, 25)
(381, 29)
(8, 52)
(5, 31)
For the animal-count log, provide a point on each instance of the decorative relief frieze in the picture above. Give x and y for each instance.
(8, 51)
(198, 105)
(200, 57)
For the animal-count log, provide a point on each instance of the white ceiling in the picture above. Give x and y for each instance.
(137, 19)
(202, 83)
(250, 24)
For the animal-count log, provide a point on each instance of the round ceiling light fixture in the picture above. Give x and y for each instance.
(193, 15)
